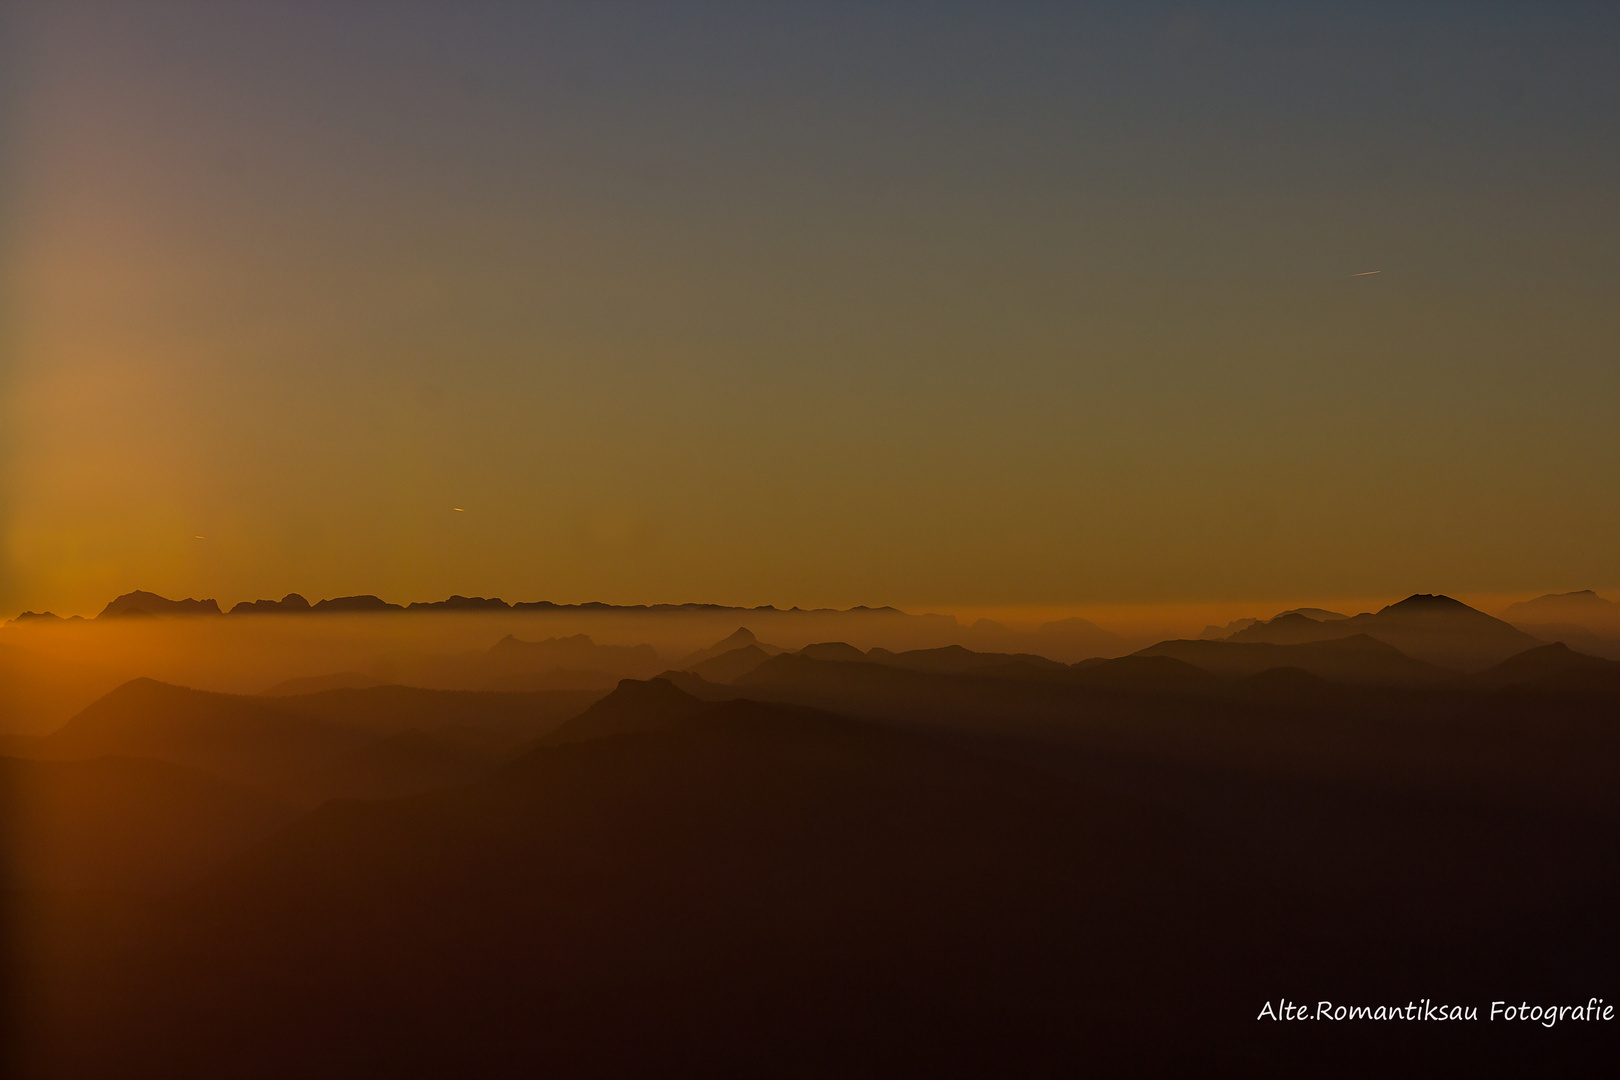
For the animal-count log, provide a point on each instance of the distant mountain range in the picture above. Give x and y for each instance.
(1357, 658)
(1581, 607)
(1446, 632)
(1434, 629)
(301, 749)
(1424, 639)
(1302, 654)
(139, 604)
(1584, 620)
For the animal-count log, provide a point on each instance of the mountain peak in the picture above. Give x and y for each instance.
(363, 603)
(741, 638)
(1428, 602)
(141, 603)
(833, 650)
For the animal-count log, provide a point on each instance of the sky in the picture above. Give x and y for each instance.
(925, 304)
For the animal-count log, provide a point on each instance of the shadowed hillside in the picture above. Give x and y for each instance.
(124, 823)
(1354, 659)
(654, 705)
(39, 693)
(751, 889)
(311, 747)
(710, 887)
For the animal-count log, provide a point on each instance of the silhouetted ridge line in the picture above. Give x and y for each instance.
(730, 666)
(834, 650)
(142, 603)
(635, 705)
(1434, 629)
(355, 603)
(740, 639)
(1549, 666)
(291, 604)
(462, 603)
(1558, 607)
(362, 742)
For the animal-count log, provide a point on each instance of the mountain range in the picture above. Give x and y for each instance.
(141, 604)
(1434, 629)
(303, 749)
(952, 864)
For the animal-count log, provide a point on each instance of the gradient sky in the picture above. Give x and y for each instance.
(834, 303)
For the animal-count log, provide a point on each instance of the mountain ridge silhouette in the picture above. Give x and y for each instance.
(1428, 627)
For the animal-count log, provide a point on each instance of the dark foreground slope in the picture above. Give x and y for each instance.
(756, 890)
(123, 823)
(747, 889)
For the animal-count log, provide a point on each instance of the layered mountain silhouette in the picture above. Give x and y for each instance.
(752, 666)
(462, 603)
(989, 874)
(730, 666)
(291, 604)
(953, 659)
(741, 638)
(45, 617)
(1074, 639)
(39, 692)
(564, 663)
(1584, 620)
(1358, 658)
(1183, 667)
(307, 748)
(833, 650)
(354, 604)
(1013, 693)
(1220, 633)
(1583, 608)
(833, 860)
(1550, 666)
(144, 604)
(141, 602)
(633, 706)
(1435, 629)
(1063, 639)
(244, 740)
(1142, 674)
